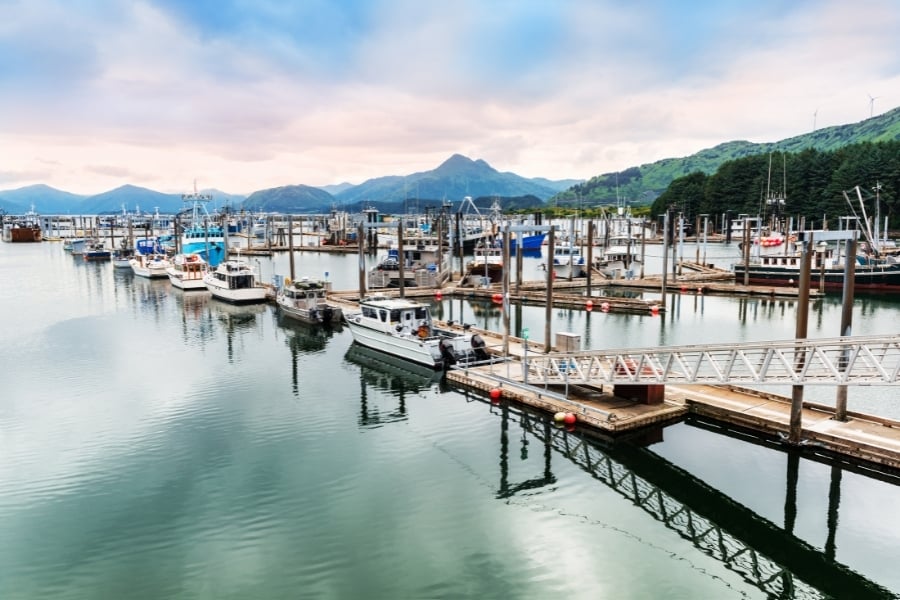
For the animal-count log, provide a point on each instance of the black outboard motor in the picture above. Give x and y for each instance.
(327, 314)
(478, 347)
(447, 353)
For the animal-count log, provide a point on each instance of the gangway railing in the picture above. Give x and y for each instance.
(849, 360)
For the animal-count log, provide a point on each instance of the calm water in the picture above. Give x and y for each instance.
(163, 445)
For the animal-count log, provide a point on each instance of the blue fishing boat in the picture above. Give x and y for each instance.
(202, 236)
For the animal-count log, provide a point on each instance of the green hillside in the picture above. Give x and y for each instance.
(641, 185)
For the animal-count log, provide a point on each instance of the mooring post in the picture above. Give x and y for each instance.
(840, 405)
(802, 323)
(548, 309)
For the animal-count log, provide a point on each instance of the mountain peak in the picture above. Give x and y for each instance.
(458, 163)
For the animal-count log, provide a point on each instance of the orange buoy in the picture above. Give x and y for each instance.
(654, 309)
(495, 394)
(497, 297)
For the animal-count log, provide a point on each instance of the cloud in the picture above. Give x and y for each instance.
(272, 93)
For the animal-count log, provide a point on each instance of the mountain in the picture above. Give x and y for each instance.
(454, 179)
(643, 184)
(336, 188)
(44, 198)
(132, 198)
(292, 199)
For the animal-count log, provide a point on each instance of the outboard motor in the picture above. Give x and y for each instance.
(478, 347)
(327, 314)
(447, 353)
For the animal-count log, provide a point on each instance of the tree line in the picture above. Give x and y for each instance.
(809, 184)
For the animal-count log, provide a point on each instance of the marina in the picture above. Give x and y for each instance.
(441, 431)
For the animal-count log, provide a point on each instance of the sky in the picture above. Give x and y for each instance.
(243, 95)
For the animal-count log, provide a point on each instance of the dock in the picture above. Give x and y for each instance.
(614, 410)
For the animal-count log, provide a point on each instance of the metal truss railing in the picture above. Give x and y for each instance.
(869, 360)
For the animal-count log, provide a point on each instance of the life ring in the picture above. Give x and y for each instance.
(423, 331)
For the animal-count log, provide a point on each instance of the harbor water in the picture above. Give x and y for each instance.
(162, 444)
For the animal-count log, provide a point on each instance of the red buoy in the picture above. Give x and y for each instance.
(654, 309)
(605, 307)
(589, 305)
(438, 295)
(495, 394)
(569, 419)
(497, 298)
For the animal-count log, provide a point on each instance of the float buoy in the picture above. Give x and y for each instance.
(569, 419)
(605, 307)
(654, 309)
(559, 417)
(497, 298)
(495, 394)
(589, 305)
(438, 295)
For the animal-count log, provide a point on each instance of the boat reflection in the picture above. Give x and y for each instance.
(237, 319)
(303, 338)
(385, 373)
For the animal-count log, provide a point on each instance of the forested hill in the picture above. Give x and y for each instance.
(642, 184)
(809, 183)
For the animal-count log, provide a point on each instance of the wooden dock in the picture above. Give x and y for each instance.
(866, 438)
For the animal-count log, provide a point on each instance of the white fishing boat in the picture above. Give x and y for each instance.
(486, 265)
(306, 300)
(186, 272)
(568, 261)
(151, 266)
(235, 281)
(405, 329)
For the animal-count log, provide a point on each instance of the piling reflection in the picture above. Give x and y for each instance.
(769, 557)
(237, 320)
(385, 373)
(304, 338)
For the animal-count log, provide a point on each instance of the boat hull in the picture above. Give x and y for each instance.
(877, 279)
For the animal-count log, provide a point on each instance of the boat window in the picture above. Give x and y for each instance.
(395, 315)
(369, 312)
(421, 312)
(383, 314)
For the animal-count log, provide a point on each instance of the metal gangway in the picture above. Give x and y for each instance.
(849, 360)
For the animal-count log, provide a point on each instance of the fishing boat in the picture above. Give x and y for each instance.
(186, 272)
(96, 250)
(235, 281)
(568, 262)
(621, 254)
(827, 268)
(306, 300)
(202, 236)
(151, 266)
(404, 328)
(486, 265)
(424, 265)
(121, 256)
(26, 228)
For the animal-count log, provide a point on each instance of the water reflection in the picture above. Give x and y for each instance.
(766, 555)
(237, 320)
(304, 338)
(385, 373)
(196, 317)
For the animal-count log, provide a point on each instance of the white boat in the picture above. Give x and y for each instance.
(151, 266)
(404, 328)
(425, 264)
(186, 272)
(235, 281)
(568, 261)
(486, 263)
(620, 257)
(306, 300)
